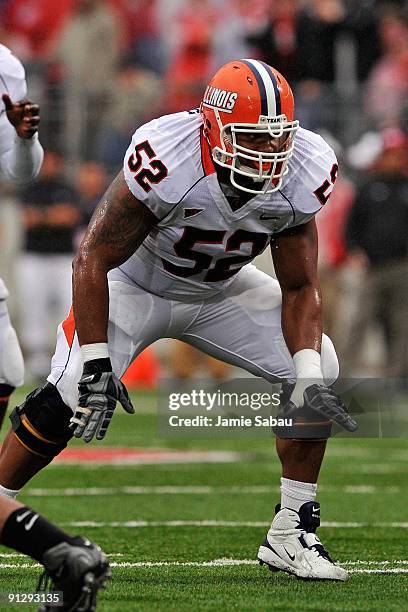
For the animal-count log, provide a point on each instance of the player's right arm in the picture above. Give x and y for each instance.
(117, 228)
(119, 225)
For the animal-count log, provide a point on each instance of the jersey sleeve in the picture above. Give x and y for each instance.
(20, 159)
(157, 166)
(13, 81)
(313, 184)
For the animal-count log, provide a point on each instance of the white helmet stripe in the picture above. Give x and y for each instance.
(260, 69)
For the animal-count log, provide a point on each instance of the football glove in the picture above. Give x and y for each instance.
(323, 400)
(99, 391)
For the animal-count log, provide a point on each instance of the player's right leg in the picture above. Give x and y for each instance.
(40, 426)
(75, 566)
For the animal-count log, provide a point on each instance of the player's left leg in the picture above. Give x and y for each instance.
(11, 359)
(243, 327)
(75, 566)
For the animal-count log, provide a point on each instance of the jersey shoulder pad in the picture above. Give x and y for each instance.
(163, 161)
(12, 77)
(312, 173)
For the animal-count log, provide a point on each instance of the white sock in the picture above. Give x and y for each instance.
(10, 493)
(295, 493)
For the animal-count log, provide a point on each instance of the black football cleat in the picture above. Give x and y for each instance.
(77, 570)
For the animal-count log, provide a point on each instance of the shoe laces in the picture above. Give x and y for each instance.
(314, 544)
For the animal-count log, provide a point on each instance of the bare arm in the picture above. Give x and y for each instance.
(119, 225)
(294, 254)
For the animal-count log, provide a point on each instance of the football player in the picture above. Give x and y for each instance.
(21, 156)
(167, 254)
(75, 566)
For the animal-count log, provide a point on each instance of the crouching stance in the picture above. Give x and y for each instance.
(168, 254)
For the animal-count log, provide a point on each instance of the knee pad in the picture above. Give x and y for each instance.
(41, 423)
(307, 424)
(330, 362)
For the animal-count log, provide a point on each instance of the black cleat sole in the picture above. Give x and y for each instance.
(270, 567)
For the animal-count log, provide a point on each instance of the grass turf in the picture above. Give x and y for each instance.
(379, 466)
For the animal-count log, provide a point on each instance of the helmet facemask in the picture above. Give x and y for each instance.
(266, 169)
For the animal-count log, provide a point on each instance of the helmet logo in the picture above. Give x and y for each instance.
(220, 98)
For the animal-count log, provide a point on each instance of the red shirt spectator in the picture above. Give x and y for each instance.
(34, 24)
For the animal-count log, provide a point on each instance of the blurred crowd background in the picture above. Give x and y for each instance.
(101, 68)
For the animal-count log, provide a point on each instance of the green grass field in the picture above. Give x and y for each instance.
(184, 536)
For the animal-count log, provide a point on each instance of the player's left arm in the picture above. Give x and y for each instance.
(294, 254)
(21, 153)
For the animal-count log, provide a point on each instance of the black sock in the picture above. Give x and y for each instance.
(5, 392)
(31, 534)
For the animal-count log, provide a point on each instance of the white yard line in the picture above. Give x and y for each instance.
(391, 570)
(211, 523)
(218, 561)
(384, 569)
(200, 490)
(21, 556)
(371, 468)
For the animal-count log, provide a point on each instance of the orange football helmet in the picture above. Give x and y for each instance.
(244, 100)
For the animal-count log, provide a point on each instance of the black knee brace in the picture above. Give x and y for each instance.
(307, 424)
(41, 423)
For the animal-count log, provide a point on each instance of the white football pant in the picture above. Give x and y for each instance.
(241, 326)
(11, 358)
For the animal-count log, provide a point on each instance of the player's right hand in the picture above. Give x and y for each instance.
(24, 116)
(99, 391)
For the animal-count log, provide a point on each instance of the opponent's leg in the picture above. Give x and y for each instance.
(77, 567)
(11, 359)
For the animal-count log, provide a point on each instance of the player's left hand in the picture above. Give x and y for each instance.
(99, 391)
(24, 116)
(326, 402)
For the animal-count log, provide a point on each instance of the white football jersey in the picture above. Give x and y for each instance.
(12, 77)
(13, 83)
(200, 243)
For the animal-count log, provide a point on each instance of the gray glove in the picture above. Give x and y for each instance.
(99, 391)
(323, 400)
